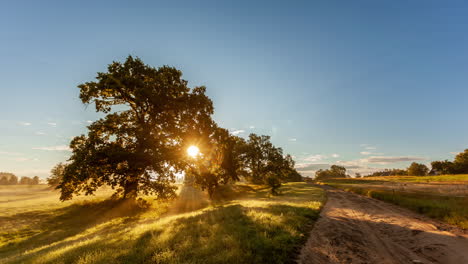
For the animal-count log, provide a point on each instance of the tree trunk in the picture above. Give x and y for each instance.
(130, 189)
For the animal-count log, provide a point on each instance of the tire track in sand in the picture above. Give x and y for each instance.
(357, 229)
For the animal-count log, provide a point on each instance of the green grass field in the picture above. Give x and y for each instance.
(245, 225)
(422, 179)
(440, 199)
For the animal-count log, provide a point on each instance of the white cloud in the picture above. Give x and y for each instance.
(24, 123)
(40, 133)
(370, 148)
(237, 132)
(292, 139)
(335, 155)
(54, 148)
(89, 121)
(252, 127)
(52, 124)
(314, 158)
(365, 153)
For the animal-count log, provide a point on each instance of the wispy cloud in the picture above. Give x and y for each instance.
(311, 167)
(52, 124)
(24, 123)
(89, 121)
(314, 158)
(370, 148)
(251, 127)
(54, 148)
(40, 133)
(292, 139)
(237, 132)
(390, 159)
(334, 155)
(365, 153)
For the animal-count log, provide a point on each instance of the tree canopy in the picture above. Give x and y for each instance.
(335, 171)
(139, 145)
(417, 169)
(151, 117)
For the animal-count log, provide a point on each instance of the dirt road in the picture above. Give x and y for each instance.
(357, 229)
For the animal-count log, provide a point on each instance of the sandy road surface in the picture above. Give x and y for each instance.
(357, 229)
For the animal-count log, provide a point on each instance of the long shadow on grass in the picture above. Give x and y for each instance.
(53, 226)
(225, 234)
(228, 234)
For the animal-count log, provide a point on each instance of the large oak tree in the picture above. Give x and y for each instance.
(139, 145)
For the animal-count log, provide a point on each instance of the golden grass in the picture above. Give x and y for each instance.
(244, 225)
(422, 179)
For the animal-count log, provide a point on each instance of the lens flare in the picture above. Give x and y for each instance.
(193, 151)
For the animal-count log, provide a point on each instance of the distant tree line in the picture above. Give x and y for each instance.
(458, 166)
(7, 178)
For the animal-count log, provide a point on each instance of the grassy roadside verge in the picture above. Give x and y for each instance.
(450, 209)
(459, 178)
(253, 227)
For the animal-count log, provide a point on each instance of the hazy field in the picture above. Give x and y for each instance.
(442, 197)
(255, 227)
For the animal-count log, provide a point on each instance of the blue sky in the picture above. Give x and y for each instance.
(364, 84)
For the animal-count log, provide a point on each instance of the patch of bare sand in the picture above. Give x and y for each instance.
(358, 229)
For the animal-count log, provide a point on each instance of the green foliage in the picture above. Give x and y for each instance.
(218, 162)
(56, 174)
(461, 162)
(417, 169)
(273, 182)
(29, 181)
(7, 178)
(139, 145)
(388, 172)
(265, 163)
(335, 171)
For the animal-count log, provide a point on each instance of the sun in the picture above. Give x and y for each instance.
(193, 151)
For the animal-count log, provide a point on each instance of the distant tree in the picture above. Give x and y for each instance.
(358, 175)
(388, 172)
(443, 167)
(338, 171)
(264, 161)
(258, 152)
(417, 169)
(56, 175)
(35, 180)
(26, 181)
(13, 180)
(335, 171)
(3, 180)
(461, 162)
(7, 178)
(139, 145)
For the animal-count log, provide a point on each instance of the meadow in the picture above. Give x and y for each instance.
(245, 224)
(443, 197)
